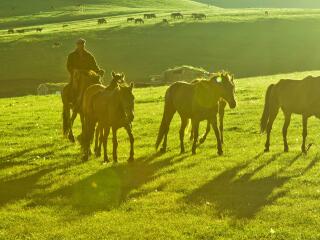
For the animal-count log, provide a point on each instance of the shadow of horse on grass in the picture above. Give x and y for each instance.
(241, 195)
(109, 187)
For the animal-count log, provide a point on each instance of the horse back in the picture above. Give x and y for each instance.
(299, 96)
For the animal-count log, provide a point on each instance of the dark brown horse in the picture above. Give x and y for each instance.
(292, 96)
(196, 101)
(111, 109)
(72, 95)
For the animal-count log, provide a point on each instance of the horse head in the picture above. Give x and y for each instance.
(226, 84)
(118, 78)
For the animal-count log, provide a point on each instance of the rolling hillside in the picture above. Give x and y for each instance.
(263, 3)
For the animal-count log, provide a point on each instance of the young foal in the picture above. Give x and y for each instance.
(197, 101)
(117, 78)
(300, 97)
(112, 110)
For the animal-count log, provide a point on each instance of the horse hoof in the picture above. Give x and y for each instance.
(162, 150)
(71, 138)
(266, 150)
(220, 153)
(286, 150)
(97, 154)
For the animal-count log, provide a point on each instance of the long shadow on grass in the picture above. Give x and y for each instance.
(110, 187)
(20, 187)
(242, 196)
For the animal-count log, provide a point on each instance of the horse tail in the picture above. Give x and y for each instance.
(166, 117)
(266, 110)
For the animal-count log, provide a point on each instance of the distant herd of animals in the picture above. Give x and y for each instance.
(139, 20)
(105, 109)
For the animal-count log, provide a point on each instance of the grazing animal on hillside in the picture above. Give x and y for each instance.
(149, 15)
(130, 19)
(65, 25)
(72, 96)
(112, 110)
(165, 21)
(117, 78)
(196, 101)
(292, 96)
(56, 44)
(199, 16)
(176, 15)
(10, 31)
(20, 31)
(102, 21)
(139, 20)
(39, 29)
(266, 13)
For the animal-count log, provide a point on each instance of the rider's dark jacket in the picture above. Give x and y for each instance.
(84, 61)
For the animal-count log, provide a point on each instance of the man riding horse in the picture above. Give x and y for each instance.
(81, 60)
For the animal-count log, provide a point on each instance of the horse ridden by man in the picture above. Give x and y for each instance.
(84, 72)
(197, 101)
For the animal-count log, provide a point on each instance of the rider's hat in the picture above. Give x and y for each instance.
(81, 41)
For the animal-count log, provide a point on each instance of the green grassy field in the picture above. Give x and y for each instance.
(47, 193)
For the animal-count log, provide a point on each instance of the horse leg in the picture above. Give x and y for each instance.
(184, 123)
(166, 130)
(195, 128)
(131, 139)
(304, 133)
(115, 144)
(287, 118)
(273, 114)
(217, 133)
(204, 137)
(73, 117)
(66, 119)
(105, 143)
(97, 150)
(222, 106)
(191, 134)
(101, 134)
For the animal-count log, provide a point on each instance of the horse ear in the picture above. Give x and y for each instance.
(131, 85)
(113, 74)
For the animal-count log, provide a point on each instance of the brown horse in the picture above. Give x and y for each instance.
(299, 97)
(111, 109)
(117, 78)
(196, 101)
(72, 95)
